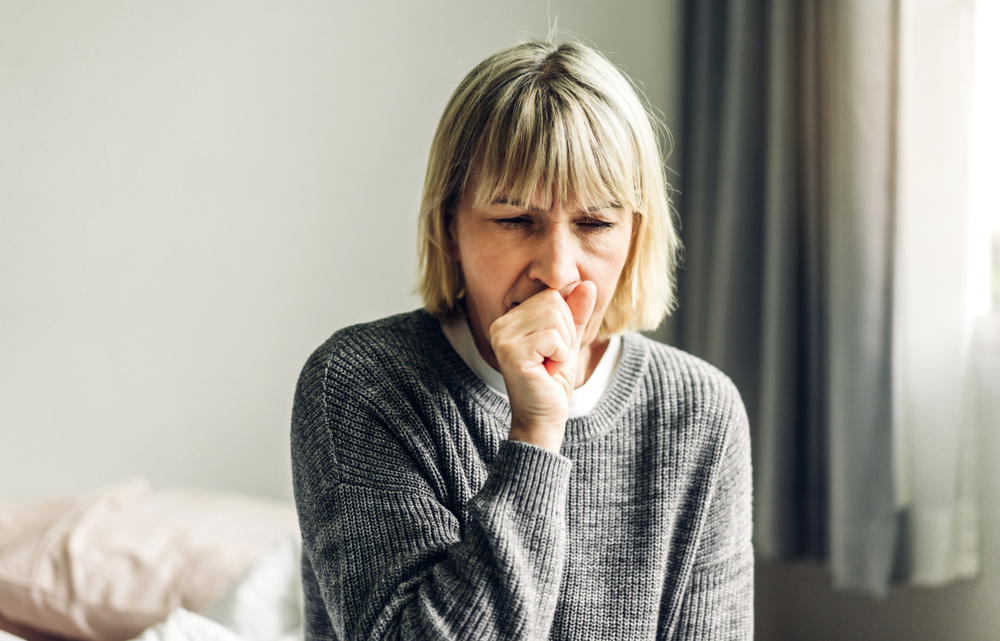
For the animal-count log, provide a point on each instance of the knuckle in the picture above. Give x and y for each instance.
(499, 324)
(552, 316)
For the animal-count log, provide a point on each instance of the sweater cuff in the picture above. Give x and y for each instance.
(531, 479)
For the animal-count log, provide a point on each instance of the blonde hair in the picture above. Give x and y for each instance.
(556, 122)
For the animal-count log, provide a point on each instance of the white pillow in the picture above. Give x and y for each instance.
(182, 625)
(266, 604)
(109, 564)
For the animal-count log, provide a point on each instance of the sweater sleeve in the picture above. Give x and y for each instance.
(385, 558)
(718, 604)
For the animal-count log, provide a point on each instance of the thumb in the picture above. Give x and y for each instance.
(581, 304)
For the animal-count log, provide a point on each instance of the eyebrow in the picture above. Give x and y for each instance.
(503, 200)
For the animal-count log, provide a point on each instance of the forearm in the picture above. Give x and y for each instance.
(397, 566)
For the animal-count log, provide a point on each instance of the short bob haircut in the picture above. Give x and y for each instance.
(561, 122)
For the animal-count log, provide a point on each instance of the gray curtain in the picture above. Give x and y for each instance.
(786, 212)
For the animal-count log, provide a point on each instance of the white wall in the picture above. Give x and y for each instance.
(194, 195)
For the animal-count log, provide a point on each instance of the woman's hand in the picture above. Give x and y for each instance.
(537, 345)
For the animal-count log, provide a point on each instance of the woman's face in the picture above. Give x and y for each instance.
(510, 251)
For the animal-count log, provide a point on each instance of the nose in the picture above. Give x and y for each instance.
(554, 260)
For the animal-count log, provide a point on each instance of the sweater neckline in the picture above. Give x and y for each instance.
(601, 419)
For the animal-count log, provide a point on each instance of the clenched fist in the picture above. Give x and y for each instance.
(537, 345)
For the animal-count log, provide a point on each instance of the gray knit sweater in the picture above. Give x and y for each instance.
(420, 521)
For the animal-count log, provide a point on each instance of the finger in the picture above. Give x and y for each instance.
(553, 367)
(557, 314)
(546, 348)
(544, 310)
(553, 348)
(548, 344)
(581, 303)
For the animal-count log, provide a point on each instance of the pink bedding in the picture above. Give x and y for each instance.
(108, 564)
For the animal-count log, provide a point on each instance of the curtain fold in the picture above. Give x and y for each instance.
(859, 339)
(791, 463)
(756, 293)
(792, 285)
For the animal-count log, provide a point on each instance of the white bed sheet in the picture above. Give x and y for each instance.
(264, 605)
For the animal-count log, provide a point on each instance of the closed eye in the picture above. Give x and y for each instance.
(518, 222)
(596, 224)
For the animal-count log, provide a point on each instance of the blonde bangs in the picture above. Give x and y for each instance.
(543, 146)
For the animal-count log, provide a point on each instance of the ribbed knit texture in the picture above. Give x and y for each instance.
(420, 521)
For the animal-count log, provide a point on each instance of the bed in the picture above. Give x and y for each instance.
(129, 562)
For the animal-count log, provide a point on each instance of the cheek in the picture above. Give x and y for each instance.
(608, 264)
(490, 273)
(606, 271)
(488, 266)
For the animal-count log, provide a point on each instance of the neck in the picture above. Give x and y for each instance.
(588, 362)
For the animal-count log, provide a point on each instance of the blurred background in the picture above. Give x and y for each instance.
(195, 195)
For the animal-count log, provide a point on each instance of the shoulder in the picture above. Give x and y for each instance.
(686, 381)
(692, 403)
(367, 373)
(358, 395)
(392, 348)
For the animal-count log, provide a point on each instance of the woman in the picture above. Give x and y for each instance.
(509, 463)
